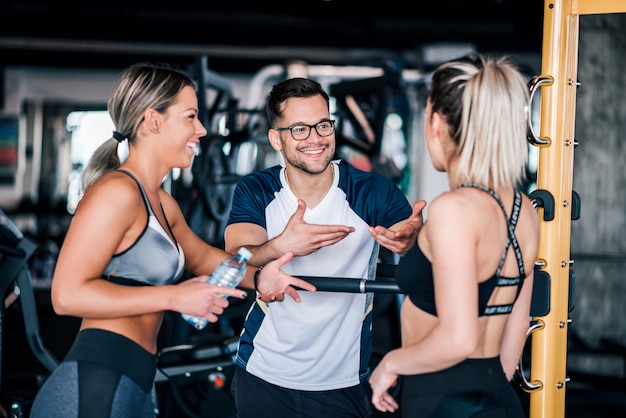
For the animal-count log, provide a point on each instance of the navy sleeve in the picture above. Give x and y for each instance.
(252, 195)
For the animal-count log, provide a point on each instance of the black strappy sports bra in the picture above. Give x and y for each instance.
(414, 273)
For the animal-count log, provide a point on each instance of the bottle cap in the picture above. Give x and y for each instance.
(244, 253)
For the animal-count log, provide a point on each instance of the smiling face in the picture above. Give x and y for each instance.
(181, 129)
(311, 155)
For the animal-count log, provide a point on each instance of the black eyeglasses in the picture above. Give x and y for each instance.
(301, 131)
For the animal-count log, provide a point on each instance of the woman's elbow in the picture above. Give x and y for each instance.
(464, 344)
(61, 301)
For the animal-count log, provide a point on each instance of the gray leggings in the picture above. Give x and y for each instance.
(104, 375)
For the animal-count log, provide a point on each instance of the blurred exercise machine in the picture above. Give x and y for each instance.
(15, 286)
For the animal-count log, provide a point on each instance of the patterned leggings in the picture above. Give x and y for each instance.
(104, 375)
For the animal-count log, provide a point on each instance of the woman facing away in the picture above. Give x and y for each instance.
(125, 251)
(469, 278)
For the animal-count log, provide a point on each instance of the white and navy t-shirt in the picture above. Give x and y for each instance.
(325, 341)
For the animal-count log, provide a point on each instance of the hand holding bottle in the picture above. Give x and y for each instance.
(229, 273)
(198, 298)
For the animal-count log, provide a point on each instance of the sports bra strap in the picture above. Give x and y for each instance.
(147, 202)
(143, 192)
(511, 223)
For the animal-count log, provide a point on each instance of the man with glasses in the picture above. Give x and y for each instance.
(307, 355)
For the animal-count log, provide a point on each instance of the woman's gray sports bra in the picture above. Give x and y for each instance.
(153, 259)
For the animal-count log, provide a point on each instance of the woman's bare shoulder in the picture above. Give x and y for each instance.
(114, 191)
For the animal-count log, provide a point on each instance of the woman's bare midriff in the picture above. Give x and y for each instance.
(411, 315)
(491, 329)
(143, 329)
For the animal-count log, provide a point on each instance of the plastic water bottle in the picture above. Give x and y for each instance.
(229, 273)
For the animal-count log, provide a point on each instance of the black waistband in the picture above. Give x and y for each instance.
(116, 352)
(468, 376)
